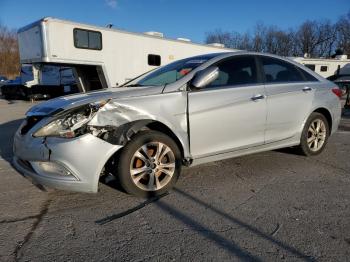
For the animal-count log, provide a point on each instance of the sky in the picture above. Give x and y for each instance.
(175, 18)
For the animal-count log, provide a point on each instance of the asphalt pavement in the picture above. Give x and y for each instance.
(270, 206)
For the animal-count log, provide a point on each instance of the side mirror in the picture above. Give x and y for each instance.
(205, 77)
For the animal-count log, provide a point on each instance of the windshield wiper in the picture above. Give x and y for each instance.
(134, 85)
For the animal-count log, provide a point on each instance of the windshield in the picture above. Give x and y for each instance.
(170, 73)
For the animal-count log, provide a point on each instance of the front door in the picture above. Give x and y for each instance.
(230, 114)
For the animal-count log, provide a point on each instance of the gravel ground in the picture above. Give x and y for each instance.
(275, 205)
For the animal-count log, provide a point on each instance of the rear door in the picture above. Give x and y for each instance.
(229, 114)
(289, 98)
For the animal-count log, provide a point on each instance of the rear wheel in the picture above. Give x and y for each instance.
(149, 164)
(315, 135)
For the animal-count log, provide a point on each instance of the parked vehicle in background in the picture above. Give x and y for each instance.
(12, 88)
(2, 80)
(54, 81)
(325, 67)
(342, 79)
(192, 111)
(100, 57)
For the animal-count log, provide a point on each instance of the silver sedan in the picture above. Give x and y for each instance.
(189, 112)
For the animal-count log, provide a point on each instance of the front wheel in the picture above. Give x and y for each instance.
(315, 135)
(149, 164)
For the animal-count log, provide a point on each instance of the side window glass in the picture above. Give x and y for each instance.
(278, 71)
(87, 39)
(154, 60)
(81, 38)
(95, 40)
(324, 68)
(309, 77)
(236, 71)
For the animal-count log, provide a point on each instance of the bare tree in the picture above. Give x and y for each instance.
(219, 36)
(343, 34)
(315, 38)
(328, 36)
(279, 42)
(258, 41)
(9, 55)
(230, 39)
(308, 37)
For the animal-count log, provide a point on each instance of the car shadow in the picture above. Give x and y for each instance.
(7, 131)
(111, 181)
(345, 113)
(228, 244)
(215, 237)
(289, 150)
(8, 100)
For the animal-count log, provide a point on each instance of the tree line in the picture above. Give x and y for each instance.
(318, 38)
(9, 54)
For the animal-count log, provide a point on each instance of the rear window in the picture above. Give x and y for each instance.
(279, 71)
(87, 39)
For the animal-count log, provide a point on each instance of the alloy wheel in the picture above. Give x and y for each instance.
(316, 135)
(152, 166)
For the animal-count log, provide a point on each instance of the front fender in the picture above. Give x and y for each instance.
(127, 118)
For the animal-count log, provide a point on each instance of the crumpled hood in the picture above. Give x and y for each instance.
(66, 102)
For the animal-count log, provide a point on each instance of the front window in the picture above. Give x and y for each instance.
(236, 71)
(170, 73)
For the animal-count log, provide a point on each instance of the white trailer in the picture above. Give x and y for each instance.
(101, 57)
(322, 66)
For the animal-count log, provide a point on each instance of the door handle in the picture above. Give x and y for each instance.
(257, 97)
(307, 89)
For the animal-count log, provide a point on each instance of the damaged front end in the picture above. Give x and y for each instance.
(70, 123)
(110, 121)
(69, 149)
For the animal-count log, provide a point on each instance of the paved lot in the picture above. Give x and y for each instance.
(268, 206)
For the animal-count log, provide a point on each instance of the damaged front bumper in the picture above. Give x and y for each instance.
(69, 164)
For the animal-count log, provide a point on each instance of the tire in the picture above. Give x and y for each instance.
(313, 142)
(141, 172)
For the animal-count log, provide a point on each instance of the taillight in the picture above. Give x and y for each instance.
(337, 92)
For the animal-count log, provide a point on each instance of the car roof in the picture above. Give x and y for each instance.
(216, 57)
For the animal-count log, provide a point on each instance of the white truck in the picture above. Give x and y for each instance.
(100, 57)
